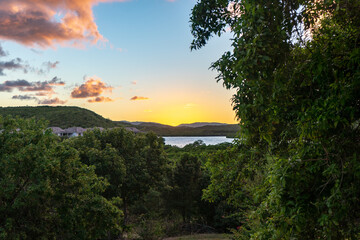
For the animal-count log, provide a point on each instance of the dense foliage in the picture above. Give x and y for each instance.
(132, 163)
(188, 177)
(295, 66)
(46, 192)
(106, 184)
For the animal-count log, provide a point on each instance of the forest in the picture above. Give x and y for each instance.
(107, 184)
(292, 173)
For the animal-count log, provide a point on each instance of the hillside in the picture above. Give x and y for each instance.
(201, 124)
(62, 116)
(229, 130)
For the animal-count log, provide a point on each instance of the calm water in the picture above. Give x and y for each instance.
(182, 141)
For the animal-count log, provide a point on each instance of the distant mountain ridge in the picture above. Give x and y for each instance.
(202, 124)
(138, 123)
(192, 125)
(66, 116)
(193, 129)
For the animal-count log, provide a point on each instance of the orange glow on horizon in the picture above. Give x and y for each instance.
(166, 106)
(168, 115)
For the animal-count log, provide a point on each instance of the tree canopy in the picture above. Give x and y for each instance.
(55, 188)
(46, 192)
(131, 163)
(295, 66)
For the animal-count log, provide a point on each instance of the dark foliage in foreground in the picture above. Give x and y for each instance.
(295, 66)
(103, 185)
(46, 192)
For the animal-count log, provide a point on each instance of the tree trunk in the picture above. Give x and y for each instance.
(125, 221)
(125, 212)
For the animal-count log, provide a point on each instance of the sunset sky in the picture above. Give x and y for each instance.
(124, 59)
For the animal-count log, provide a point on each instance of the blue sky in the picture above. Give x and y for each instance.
(144, 54)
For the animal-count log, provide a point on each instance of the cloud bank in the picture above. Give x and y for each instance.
(53, 101)
(50, 101)
(14, 64)
(44, 88)
(47, 22)
(24, 97)
(8, 86)
(19, 64)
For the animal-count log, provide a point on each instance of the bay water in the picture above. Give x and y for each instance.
(208, 140)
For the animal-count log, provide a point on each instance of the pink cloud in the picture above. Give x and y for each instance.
(47, 22)
(93, 87)
(100, 99)
(43, 94)
(138, 98)
(53, 101)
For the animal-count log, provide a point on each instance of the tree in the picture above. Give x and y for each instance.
(45, 191)
(298, 104)
(185, 192)
(131, 163)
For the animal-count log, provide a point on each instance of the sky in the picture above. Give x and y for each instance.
(123, 59)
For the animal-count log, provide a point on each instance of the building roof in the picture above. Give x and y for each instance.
(132, 129)
(75, 130)
(94, 128)
(57, 130)
(80, 130)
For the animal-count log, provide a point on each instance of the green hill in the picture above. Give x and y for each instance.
(64, 117)
(228, 130)
(61, 116)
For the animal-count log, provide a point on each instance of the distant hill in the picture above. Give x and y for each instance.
(61, 116)
(195, 129)
(202, 124)
(64, 117)
(149, 124)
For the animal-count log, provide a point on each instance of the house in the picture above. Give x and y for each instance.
(79, 131)
(74, 131)
(94, 128)
(57, 131)
(132, 129)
